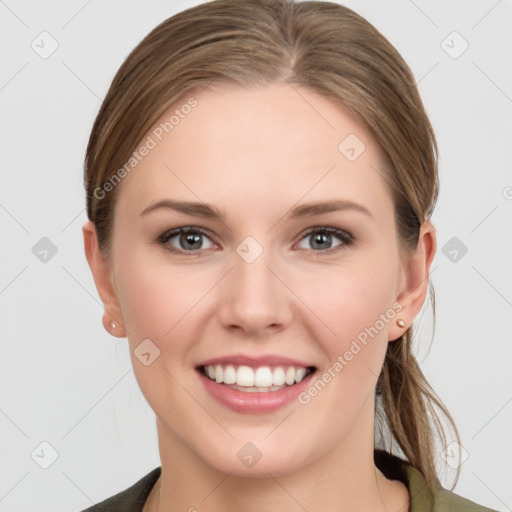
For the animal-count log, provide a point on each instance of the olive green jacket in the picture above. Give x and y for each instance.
(423, 497)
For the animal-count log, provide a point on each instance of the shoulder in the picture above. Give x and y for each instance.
(445, 500)
(435, 498)
(131, 499)
(424, 497)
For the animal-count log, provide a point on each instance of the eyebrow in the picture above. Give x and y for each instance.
(211, 212)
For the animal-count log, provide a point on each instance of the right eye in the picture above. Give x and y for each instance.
(185, 240)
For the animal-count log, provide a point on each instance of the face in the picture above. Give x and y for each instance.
(272, 279)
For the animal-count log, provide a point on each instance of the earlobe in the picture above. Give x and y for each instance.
(417, 272)
(398, 328)
(100, 268)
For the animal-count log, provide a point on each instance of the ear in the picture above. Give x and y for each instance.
(415, 279)
(101, 272)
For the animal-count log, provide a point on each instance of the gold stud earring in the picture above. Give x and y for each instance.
(113, 324)
(400, 323)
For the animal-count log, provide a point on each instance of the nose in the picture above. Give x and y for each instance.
(254, 298)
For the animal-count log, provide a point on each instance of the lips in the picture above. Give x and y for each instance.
(254, 362)
(255, 384)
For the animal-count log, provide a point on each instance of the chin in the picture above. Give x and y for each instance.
(255, 459)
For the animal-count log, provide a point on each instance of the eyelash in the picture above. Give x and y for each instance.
(345, 237)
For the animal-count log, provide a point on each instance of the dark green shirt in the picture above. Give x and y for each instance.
(423, 497)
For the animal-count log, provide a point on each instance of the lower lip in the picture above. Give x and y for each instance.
(257, 402)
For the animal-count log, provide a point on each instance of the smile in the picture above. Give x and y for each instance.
(253, 380)
(255, 385)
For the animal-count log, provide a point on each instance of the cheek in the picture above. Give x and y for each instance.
(353, 310)
(146, 300)
(349, 298)
(161, 301)
(150, 298)
(158, 303)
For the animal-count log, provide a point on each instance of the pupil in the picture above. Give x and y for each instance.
(320, 238)
(191, 240)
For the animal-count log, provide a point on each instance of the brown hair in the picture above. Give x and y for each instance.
(328, 49)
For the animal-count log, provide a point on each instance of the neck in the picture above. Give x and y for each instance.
(188, 484)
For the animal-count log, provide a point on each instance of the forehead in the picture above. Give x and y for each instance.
(265, 145)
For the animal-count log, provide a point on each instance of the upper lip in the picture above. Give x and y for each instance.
(267, 360)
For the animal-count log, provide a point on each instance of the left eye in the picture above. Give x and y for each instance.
(321, 239)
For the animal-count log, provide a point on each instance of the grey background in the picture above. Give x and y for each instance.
(66, 382)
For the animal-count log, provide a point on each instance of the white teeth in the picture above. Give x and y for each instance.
(254, 389)
(300, 374)
(245, 376)
(290, 376)
(229, 374)
(278, 376)
(261, 379)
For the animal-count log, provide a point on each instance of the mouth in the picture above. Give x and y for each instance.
(260, 379)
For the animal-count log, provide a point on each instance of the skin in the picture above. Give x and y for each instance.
(255, 154)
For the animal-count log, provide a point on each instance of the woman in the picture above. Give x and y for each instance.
(260, 179)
